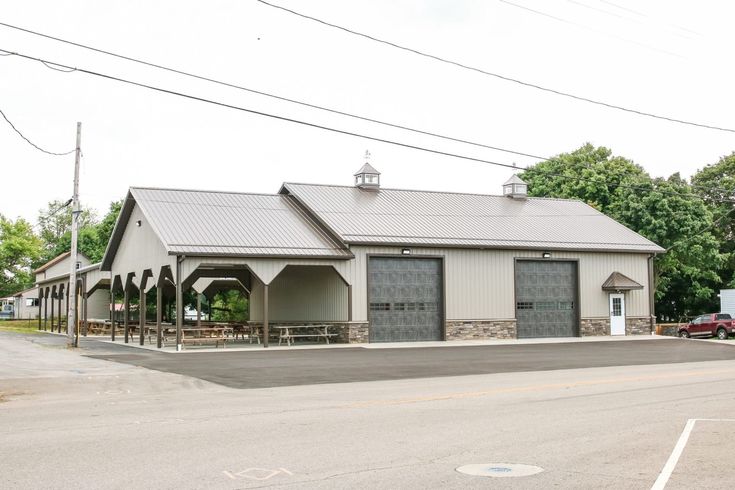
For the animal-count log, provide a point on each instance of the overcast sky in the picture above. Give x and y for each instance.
(672, 58)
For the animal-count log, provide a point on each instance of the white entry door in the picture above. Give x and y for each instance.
(617, 314)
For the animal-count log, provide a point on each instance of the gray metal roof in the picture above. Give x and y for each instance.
(620, 282)
(408, 217)
(514, 179)
(367, 169)
(191, 222)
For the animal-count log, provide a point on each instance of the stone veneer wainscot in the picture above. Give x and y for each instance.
(481, 329)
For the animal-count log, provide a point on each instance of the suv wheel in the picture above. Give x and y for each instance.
(722, 334)
(684, 334)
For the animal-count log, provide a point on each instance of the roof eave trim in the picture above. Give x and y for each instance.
(621, 288)
(347, 256)
(286, 189)
(549, 248)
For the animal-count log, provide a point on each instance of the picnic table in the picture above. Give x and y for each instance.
(206, 334)
(289, 333)
(251, 331)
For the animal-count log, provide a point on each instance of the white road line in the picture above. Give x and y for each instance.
(665, 474)
(668, 468)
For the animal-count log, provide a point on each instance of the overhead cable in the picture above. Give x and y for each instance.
(499, 76)
(277, 97)
(266, 94)
(337, 130)
(31, 142)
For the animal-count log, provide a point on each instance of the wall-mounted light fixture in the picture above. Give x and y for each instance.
(138, 223)
(406, 251)
(546, 255)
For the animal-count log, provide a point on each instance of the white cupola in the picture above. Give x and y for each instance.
(367, 177)
(515, 188)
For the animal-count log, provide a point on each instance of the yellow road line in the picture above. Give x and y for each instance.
(531, 388)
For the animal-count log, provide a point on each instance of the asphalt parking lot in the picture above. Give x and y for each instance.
(263, 369)
(664, 417)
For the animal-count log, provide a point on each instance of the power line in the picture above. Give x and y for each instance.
(274, 96)
(341, 131)
(31, 142)
(588, 28)
(266, 94)
(501, 77)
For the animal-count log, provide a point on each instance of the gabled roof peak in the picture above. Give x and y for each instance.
(367, 169)
(514, 179)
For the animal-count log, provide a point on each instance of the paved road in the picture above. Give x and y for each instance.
(71, 421)
(261, 369)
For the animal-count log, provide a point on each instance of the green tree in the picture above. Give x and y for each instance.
(93, 237)
(55, 222)
(590, 174)
(666, 211)
(671, 215)
(716, 184)
(106, 225)
(230, 306)
(20, 251)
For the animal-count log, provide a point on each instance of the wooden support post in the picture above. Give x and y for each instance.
(265, 316)
(179, 304)
(53, 302)
(69, 292)
(141, 312)
(349, 302)
(85, 325)
(112, 313)
(58, 314)
(199, 310)
(126, 313)
(39, 308)
(159, 314)
(45, 310)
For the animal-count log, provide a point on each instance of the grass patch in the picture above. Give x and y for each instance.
(19, 326)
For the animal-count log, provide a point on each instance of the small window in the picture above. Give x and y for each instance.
(427, 307)
(31, 301)
(521, 188)
(617, 308)
(566, 305)
(546, 305)
(371, 179)
(379, 306)
(524, 305)
(723, 316)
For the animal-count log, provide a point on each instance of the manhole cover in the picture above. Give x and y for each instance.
(499, 470)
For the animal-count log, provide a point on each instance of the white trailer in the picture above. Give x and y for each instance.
(727, 301)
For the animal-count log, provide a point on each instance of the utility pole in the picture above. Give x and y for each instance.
(71, 316)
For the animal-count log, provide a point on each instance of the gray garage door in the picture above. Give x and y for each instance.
(546, 295)
(405, 299)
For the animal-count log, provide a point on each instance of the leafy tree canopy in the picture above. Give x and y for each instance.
(55, 222)
(591, 174)
(20, 251)
(666, 211)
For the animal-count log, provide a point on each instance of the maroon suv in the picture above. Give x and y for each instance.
(709, 325)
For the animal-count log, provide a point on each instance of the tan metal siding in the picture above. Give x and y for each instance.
(64, 266)
(21, 310)
(140, 249)
(264, 269)
(480, 283)
(309, 294)
(98, 305)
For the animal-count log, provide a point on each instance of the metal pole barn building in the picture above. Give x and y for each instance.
(381, 265)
